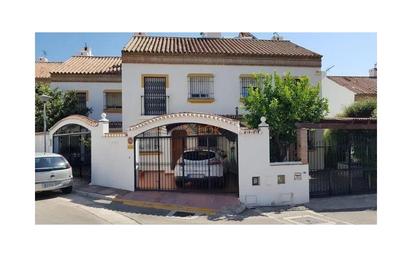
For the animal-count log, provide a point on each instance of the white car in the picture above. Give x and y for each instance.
(199, 166)
(53, 172)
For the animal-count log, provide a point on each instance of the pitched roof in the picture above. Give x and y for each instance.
(90, 65)
(42, 70)
(215, 46)
(358, 85)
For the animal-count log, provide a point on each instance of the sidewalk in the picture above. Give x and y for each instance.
(211, 204)
(343, 203)
(187, 202)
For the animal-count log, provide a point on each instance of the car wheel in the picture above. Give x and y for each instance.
(67, 190)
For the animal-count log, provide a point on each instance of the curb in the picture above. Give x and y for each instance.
(349, 209)
(146, 204)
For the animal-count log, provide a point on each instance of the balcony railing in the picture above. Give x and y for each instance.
(154, 105)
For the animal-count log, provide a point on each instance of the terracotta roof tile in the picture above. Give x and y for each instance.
(90, 65)
(358, 85)
(43, 69)
(215, 46)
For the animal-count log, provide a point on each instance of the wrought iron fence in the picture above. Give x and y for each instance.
(187, 163)
(343, 163)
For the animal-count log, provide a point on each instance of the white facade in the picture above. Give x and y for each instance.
(226, 86)
(95, 95)
(338, 97)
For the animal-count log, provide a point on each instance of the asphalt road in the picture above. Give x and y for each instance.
(56, 208)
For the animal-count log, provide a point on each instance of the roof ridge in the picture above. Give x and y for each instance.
(50, 62)
(213, 38)
(97, 56)
(341, 76)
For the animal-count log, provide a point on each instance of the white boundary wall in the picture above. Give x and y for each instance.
(254, 162)
(39, 141)
(113, 160)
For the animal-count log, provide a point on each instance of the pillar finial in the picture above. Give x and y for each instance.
(103, 119)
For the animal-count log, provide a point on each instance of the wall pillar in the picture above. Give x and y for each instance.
(103, 125)
(302, 141)
(264, 131)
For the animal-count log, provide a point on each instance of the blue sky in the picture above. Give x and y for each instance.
(351, 53)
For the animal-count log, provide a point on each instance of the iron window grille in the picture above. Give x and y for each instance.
(200, 86)
(113, 100)
(82, 99)
(245, 84)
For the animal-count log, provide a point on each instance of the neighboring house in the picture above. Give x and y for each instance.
(97, 81)
(342, 91)
(43, 68)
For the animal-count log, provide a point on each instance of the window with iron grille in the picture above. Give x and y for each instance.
(200, 86)
(245, 84)
(113, 100)
(82, 99)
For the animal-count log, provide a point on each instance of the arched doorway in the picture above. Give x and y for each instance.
(73, 141)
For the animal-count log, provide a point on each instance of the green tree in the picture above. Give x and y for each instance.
(361, 109)
(362, 142)
(61, 104)
(283, 100)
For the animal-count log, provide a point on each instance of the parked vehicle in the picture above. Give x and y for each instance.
(200, 166)
(53, 172)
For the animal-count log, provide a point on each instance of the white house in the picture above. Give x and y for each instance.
(342, 91)
(179, 101)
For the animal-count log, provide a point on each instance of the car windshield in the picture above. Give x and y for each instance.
(51, 163)
(198, 155)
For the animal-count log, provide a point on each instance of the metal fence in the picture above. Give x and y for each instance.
(187, 163)
(343, 163)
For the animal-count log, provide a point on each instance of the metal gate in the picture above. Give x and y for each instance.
(182, 162)
(343, 164)
(154, 98)
(74, 143)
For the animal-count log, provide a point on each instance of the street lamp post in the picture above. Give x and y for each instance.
(44, 98)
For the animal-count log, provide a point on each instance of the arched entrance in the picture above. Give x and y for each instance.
(187, 152)
(71, 137)
(74, 143)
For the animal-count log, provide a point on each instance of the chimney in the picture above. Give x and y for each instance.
(43, 59)
(373, 73)
(276, 37)
(246, 35)
(211, 34)
(86, 51)
(139, 34)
